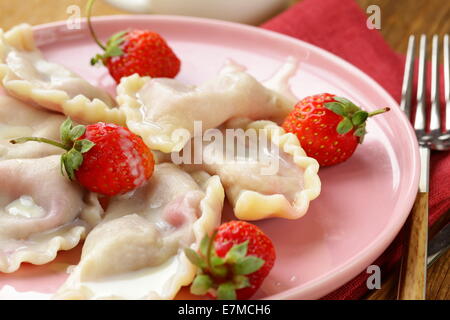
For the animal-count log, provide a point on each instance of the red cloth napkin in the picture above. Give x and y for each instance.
(339, 26)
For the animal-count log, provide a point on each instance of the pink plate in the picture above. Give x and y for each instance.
(364, 201)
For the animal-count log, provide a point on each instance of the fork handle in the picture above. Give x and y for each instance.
(412, 285)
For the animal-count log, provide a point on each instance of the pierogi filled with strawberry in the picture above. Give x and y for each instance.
(136, 252)
(27, 75)
(41, 212)
(164, 111)
(264, 170)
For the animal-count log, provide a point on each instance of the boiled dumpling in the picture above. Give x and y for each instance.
(136, 252)
(20, 120)
(41, 212)
(25, 74)
(158, 108)
(264, 170)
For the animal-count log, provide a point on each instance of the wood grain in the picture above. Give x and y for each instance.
(399, 19)
(438, 274)
(413, 268)
(43, 11)
(438, 282)
(438, 287)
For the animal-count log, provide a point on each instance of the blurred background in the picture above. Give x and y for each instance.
(399, 18)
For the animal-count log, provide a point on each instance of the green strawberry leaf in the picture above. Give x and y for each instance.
(194, 258)
(219, 271)
(96, 59)
(359, 117)
(237, 251)
(343, 100)
(61, 162)
(83, 145)
(64, 130)
(226, 291)
(72, 160)
(113, 51)
(67, 169)
(204, 245)
(77, 132)
(360, 132)
(248, 265)
(336, 107)
(201, 284)
(240, 282)
(217, 261)
(349, 107)
(344, 126)
(117, 38)
(113, 45)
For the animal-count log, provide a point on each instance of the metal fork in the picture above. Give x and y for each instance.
(412, 285)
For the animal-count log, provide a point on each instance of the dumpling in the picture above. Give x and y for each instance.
(41, 212)
(264, 170)
(20, 120)
(25, 74)
(163, 111)
(136, 252)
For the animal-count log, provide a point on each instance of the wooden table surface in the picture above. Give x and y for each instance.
(399, 19)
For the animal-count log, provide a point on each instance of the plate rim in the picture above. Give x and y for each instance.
(316, 288)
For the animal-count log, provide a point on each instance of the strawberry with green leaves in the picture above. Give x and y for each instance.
(104, 158)
(136, 51)
(328, 127)
(233, 262)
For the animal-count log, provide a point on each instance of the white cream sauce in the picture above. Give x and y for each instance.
(135, 285)
(25, 207)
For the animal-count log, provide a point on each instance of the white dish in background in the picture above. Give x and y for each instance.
(244, 11)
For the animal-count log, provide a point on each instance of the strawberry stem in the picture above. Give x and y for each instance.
(379, 111)
(208, 253)
(43, 140)
(91, 29)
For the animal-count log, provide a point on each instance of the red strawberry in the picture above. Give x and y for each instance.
(137, 51)
(329, 128)
(118, 162)
(233, 262)
(104, 158)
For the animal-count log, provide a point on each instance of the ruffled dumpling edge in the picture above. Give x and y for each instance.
(44, 251)
(79, 107)
(212, 205)
(251, 205)
(127, 99)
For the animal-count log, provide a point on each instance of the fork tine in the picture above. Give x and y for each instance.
(447, 81)
(405, 104)
(435, 117)
(419, 121)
